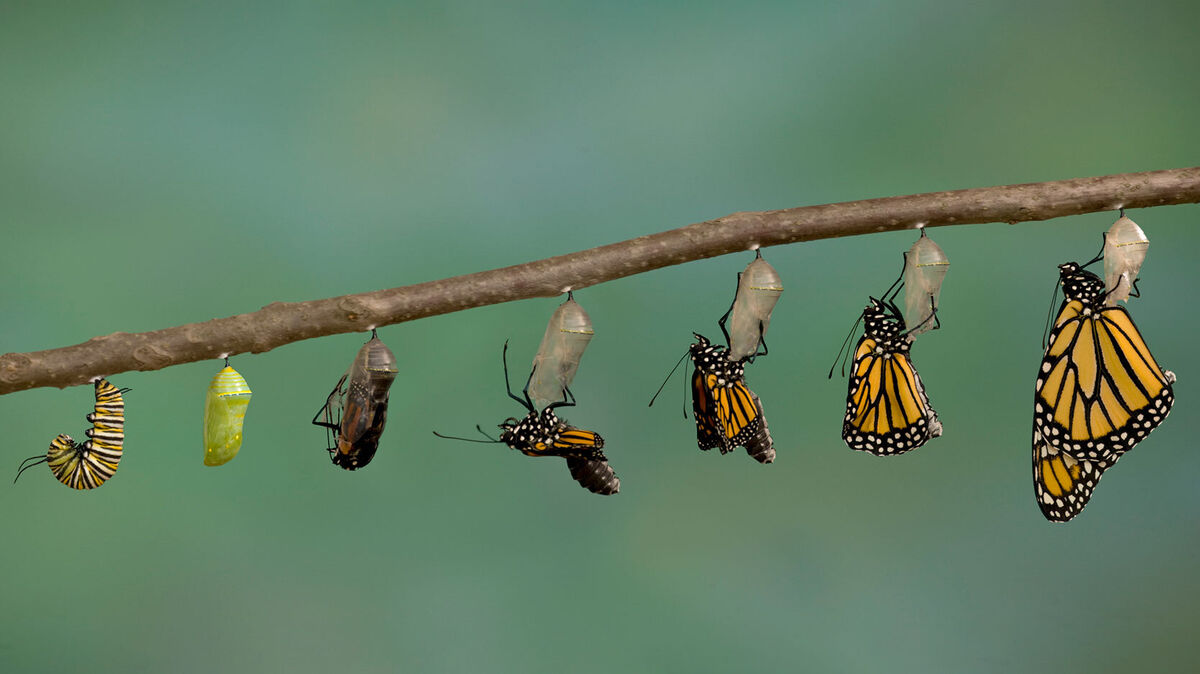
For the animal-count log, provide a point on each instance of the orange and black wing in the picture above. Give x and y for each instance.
(1099, 390)
(573, 441)
(1062, 484)
(887, 411)
(704, 408)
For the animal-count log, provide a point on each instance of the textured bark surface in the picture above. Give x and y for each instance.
(285, 322)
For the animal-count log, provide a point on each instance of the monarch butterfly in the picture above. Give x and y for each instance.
(91, 464)
(545, 434)
(1062, 484)
(224, 413)
(1125, 246)
(356, 410)
(925, 267)
(759, 288)
(1099, 391)
(567, 335)
(728, 414)
(887, 409)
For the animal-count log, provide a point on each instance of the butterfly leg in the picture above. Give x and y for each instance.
(567, 401)
(526, 402)
(724, 318)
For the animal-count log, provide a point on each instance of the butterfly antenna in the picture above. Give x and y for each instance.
(1049, 316)
(845, 342)
(41, 458)
(490, 440)
(685, 396)
(664, 384)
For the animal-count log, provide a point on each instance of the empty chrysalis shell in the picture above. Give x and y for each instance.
(224, 412)
(758, 290)
(925, 266)
(1124, 251)
(567, 335)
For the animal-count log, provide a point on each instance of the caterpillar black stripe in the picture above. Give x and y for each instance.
(93, 462)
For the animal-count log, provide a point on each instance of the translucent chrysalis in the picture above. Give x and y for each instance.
(1125, 247)
(759, 288)
(224, 412)
(567, 335)
(925, 266)
(356, 410)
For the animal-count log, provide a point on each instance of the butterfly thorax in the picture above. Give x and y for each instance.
(1080, 285)
(883, 324)
(533, 434)
(713, 359)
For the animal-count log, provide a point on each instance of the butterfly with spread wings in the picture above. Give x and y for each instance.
(728, 414)
(1099, 391)
(887, 410)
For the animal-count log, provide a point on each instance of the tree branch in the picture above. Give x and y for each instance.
(281, 323)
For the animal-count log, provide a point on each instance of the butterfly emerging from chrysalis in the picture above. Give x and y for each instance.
(355, 411)
(1099, 391)
(545, 434)
(887, 409)
(93, 462)
(728, 414)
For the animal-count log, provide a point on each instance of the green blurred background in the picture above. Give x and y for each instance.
(162, 164)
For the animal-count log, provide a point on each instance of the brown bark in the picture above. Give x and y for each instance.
(285, 322)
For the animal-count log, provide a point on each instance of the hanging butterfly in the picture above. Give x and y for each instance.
(1099, 391)
(728, 414)
(887, 409)
(545, 434)
(92, 463)
(356, 410)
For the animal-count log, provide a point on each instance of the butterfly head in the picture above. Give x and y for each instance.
(1079, 283)
(882, 321)
(508, 428)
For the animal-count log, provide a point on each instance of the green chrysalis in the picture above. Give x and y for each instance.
(224, 413)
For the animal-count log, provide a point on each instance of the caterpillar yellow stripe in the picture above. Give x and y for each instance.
(89, 464)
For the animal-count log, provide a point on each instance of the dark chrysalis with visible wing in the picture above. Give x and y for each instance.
(1098, 393)
(728, 414)
(92, 463)
(356, 410)
(887, 410)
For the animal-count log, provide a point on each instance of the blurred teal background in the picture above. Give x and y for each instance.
(166, 163)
